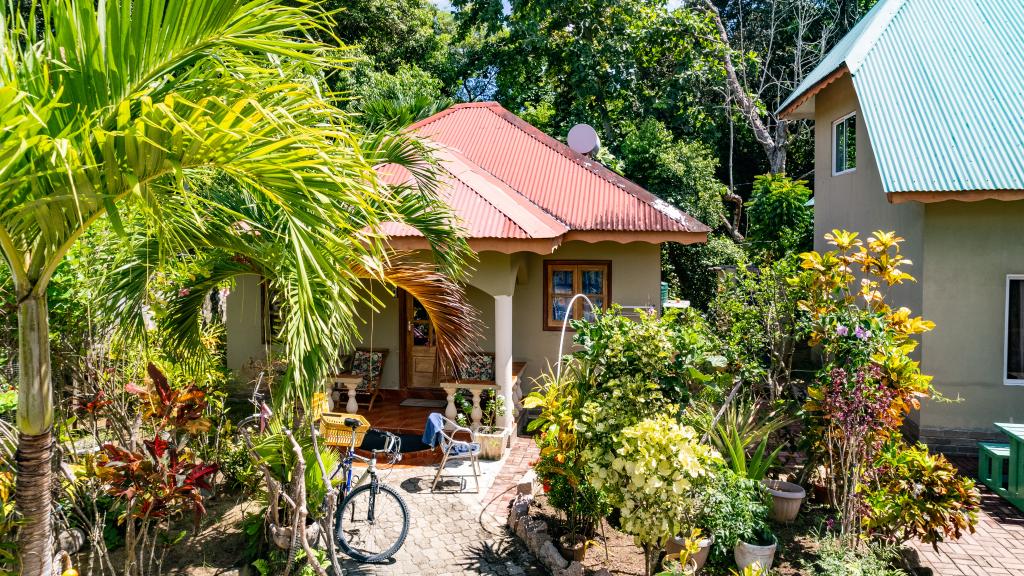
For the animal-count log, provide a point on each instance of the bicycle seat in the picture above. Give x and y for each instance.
(352, 423)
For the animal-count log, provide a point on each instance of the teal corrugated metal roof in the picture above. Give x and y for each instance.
(941, 88)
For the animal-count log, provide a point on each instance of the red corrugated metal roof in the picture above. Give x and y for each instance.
(508, 180)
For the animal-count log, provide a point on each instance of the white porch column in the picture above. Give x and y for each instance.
(503, 354)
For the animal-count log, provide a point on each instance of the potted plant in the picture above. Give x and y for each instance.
(683, 562)
(786, 499)
(677, 544)
(573, 547)
(731, 507)
(759, 551)
(493, 439)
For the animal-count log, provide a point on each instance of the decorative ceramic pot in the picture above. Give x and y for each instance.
(747, 554)
(674, 546)
(493, 442)
(786, 499)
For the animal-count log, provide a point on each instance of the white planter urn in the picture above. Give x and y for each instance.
(749, 554)
(786, 499)
(493, 442)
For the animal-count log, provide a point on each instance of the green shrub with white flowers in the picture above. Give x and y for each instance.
(648, 474)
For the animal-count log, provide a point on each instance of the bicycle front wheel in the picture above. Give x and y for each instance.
(372, 523)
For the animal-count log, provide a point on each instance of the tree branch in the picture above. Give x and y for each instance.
(774, 145)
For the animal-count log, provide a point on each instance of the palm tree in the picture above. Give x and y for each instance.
(109, 109)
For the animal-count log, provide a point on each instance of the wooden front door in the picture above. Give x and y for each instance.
(420, 346)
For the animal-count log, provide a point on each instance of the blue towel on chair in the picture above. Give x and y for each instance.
(435, 424)
(460, 448)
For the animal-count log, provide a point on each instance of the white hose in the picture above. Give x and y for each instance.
(565, 324)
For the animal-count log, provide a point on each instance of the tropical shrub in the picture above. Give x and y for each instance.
(648, 476)
(676, 351)
(147, 465)
(754, 315)
(743, 424)
(561, 467)
(615, 406)
(731, 507)
(868, 382)
(911, 494)
(780, 221)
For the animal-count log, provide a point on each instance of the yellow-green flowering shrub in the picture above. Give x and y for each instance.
(648, 473)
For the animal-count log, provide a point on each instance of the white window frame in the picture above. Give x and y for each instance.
(1006, 331)
(833, 146)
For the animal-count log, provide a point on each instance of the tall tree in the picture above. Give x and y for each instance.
(767, 47)
(110, 107)
(597, 61)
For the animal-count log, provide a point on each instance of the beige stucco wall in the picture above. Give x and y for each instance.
(244, 325)
(635, 273)
(636, 281)
(854, 201)
(380, 331)
(971, 247)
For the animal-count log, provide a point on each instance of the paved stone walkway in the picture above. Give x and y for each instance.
(996, 549)
(453, 532)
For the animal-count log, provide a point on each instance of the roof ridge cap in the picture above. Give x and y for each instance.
(866, 44)
(517, 209)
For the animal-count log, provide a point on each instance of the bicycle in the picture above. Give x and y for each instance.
(258, 421)
(372, 521)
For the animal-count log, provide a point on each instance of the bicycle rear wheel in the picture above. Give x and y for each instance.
(372, 522)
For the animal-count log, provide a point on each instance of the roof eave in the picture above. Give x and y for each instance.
(800, 105)
(953, 195)
(549, 245)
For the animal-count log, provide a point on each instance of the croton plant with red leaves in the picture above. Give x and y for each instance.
(178, 408)
(157, 482)
(162, 479)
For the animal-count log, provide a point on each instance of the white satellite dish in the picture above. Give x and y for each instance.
(583, 139)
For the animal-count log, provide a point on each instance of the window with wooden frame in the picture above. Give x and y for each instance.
(563, 279)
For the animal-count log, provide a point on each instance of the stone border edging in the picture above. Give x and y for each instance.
(533, 532)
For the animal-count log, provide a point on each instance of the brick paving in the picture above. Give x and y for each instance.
(457, 533)
(996, 549)
(524, 451)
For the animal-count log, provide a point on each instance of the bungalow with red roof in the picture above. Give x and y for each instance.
(546, 222)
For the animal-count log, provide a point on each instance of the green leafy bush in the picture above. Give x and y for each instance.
(732, 508)
(648, 475)
(755, 316)
(780, 220)
(676, 351)
(913, 494)
(617, 405)
(834, 558)
(236, 463)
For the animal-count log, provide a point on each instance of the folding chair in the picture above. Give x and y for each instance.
(455, 449)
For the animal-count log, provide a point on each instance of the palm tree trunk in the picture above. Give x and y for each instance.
(35, 438)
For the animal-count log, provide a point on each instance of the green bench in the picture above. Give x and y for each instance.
(992, 460)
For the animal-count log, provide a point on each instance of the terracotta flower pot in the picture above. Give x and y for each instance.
(747, 554)
(786, 500)
(674, 546)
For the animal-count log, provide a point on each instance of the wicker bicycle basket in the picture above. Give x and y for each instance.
(336, 433)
